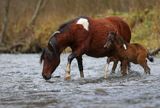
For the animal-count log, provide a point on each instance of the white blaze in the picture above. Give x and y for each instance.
(84, 22)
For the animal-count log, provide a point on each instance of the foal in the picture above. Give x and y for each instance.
(126, 52)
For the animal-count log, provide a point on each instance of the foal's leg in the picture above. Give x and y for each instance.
(114, 66)
(106, 71)
(68, 68)
(129, 66)
(124, 66)
(80, 66)
(145, 67)
(143, 62)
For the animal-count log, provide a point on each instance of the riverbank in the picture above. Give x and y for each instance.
(21, 37)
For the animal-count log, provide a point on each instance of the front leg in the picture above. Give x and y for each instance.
(106, 71)
(114, 66)
(115, 62)
(68, 68)
(124, 66)
(80, 66)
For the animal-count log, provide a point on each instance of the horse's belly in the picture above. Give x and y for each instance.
(98, 53)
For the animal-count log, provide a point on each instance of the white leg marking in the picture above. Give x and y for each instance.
(68, 69)
(84, 22)
(106, 74)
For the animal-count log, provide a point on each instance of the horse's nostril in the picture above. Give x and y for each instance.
(46, 77)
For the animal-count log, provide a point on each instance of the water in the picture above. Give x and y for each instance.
(22, 86)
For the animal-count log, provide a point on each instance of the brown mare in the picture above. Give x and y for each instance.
(126, 52)
(83, 35)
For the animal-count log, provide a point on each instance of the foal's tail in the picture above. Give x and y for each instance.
(150, 57)
(153, 53)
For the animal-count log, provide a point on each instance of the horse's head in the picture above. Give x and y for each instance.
(51, 58)
(110, 39)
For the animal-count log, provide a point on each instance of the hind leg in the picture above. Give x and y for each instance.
(143, 62)
(146, 67)
(80, 66)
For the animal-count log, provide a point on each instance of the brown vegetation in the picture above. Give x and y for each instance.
(30, 22)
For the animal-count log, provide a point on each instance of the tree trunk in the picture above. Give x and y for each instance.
(36, 13)
(5, 21)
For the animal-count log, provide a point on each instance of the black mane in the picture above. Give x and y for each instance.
(42, 56)
(65, 26)
(46, 52)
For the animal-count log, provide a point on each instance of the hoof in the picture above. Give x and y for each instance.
(148, 72)
(82, 76)
(106, 77)
(124, 74)
(113, 72)
(68, 78)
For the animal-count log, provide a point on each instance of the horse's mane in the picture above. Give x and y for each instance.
(46, 52)
(65, 26)
(42, 56)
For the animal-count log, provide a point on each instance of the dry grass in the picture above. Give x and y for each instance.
(143, 18)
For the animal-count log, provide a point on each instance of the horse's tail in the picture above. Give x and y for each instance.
(150, 57)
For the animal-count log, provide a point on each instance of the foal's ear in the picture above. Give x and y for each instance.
(112, 35)
(122, 42)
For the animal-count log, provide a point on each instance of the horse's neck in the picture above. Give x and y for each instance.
(62, 43)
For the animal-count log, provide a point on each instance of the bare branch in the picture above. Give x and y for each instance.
(36, 13)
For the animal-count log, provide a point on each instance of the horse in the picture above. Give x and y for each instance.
(128, 52)
(84, 35)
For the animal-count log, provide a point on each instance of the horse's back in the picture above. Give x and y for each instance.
(90, 34)
(139, 47)
(121, 26)
(99, 28)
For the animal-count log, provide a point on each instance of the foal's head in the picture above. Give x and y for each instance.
(113, 40)
(110, 40)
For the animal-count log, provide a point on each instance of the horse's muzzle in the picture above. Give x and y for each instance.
(46, 77)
